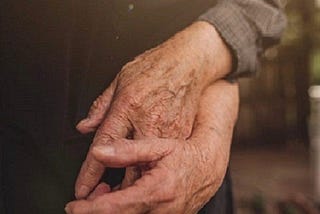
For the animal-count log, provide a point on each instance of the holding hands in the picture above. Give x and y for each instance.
(181, 126)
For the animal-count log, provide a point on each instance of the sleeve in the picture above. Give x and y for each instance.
(248, 27)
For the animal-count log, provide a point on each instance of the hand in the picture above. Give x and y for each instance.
(156, 95)
(182, 176)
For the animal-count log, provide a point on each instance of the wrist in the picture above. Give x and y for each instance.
(216, 55)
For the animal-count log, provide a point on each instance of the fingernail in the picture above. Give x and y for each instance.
(67, 209)
(82, 192)
(104, 150)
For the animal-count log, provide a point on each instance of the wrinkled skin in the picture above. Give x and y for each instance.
(183, 174)
(156, 95)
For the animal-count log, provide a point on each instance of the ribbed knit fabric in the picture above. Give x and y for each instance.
(248, 27)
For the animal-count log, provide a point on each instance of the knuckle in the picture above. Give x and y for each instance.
(128, 98)
(103, 136)
(116, 126)
(97, 105)
(160, 150)
(133, 100)
(91, 170)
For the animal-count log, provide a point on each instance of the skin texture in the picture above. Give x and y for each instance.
(156, 96)
(173, 183)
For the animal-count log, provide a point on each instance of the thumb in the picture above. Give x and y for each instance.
(123, 153)
(97, 111)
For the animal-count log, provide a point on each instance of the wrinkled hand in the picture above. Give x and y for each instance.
(156, 95)
(182, 175)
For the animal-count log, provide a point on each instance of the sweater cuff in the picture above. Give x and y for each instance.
(236, 30)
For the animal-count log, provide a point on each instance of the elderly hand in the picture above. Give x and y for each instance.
(156, 95)
(180, 177)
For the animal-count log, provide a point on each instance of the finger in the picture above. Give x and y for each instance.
(109, 204)
(90, 173)
(115, 126)
(79, 207)
(123, 153)
(97, 111)
(101, 189)
(132, 174)
(134, 199)
(218, 109)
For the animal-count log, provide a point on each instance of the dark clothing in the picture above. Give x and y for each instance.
(57, 56)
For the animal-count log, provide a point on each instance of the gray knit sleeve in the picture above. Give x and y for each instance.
(248, 27)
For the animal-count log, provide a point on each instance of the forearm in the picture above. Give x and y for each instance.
(217, 116)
